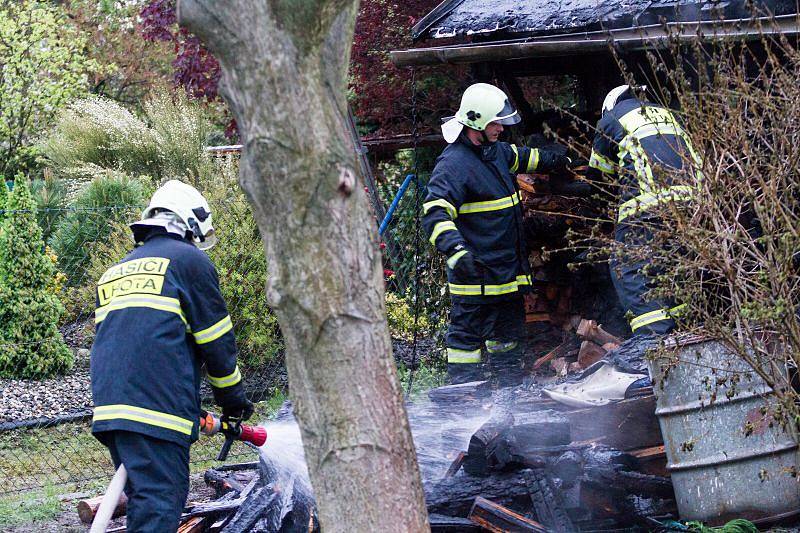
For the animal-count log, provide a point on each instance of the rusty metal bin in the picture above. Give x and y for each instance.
(726, 458)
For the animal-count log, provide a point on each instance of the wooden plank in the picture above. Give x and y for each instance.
(499, 519)
(652, 460)
(625, 425)
(193, 525)
(452, 524)
(561, 350)
(455, 466)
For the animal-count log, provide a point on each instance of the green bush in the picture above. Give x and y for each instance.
(30, 344)
(49, 194)
(105, 202)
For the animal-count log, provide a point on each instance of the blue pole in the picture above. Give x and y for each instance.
(392, 208)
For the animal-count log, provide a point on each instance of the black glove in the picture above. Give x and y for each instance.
(469, 267)
(234, 403)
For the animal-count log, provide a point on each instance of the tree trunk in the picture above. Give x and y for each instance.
(284, 67)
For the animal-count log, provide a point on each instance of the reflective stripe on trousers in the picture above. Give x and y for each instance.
(143, 416)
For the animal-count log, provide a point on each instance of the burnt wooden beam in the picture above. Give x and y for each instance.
(454, 496)
(498, 519)
(626, 425)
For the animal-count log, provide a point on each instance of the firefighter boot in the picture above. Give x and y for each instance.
(505, 363)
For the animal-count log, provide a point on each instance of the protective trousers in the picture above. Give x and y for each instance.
(634, 278)
(158, 479)
(497, 326)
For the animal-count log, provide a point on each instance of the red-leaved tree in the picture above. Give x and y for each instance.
(382, 92)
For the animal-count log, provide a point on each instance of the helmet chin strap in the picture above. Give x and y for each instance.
(485, 137)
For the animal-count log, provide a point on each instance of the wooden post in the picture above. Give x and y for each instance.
(499, 519)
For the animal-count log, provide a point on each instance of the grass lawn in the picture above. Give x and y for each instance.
(39, 465)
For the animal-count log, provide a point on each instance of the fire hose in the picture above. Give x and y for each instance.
(210, 424)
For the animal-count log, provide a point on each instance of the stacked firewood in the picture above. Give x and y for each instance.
(588, 344)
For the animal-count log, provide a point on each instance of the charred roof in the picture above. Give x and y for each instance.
(502, 19)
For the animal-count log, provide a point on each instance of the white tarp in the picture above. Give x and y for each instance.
(599, 384)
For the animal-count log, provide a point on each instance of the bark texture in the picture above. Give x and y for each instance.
(284, 65)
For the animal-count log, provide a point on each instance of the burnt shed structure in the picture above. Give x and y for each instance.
(572, 37)
(516, 44)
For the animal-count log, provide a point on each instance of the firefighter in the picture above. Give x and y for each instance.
(472, 214)
(643, 146)
(160, 318)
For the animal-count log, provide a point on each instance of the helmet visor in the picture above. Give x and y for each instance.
(209, 242)
(508, 116)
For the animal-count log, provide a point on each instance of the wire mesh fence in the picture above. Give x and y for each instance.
(50, 259)
(70, 234)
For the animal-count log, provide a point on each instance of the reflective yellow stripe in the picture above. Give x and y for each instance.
(441, 202)
(214, 332)
(654, 316)
(533, 160)
(647, 200)
(513, 168)
(144, 416)
(453, 259)
(464, 290)
(159, 303)
(500, 347)
(645, 116)
(601, 163)
(227, 381)
(454, 355)
(489, 290)
(440, 228)
(491, 205)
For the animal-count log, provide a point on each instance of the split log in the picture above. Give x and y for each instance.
(615, 471)
(452, 524)
(87, 509)
(193, 525)
(247, 515)
(589, 354)
(625, 425)
(475, 462)
(548, 505)
(560, 366)
(589, 330)
(455, 466)
(513, 441)
(454, 496)
(498, 519)
(562, 350)
(568, 468)
(220, 483)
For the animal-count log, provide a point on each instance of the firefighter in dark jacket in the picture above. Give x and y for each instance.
(472, 214)
(160, 318)
(644, 147)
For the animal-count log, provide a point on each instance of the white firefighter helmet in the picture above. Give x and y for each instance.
(189, 206)
(481, 104)
(615, 94)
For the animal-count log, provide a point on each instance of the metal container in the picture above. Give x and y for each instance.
(726, 457)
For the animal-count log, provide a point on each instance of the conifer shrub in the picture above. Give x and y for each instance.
(105, 202)
(30, 344)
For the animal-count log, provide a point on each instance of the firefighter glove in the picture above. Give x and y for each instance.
(234, 403)
(469, 267)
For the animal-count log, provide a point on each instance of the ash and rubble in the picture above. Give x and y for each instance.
(563, 467)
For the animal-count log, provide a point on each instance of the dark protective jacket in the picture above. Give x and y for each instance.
(473, 204)
(638, 141)
(160, 316)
